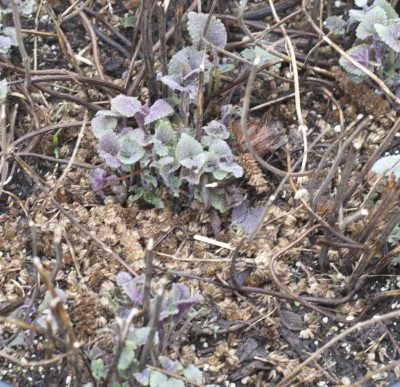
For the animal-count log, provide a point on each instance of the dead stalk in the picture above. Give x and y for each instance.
(178, 25)
(147, 45)
(361, 325)
(148, 259)
(371, 161)
(153, 328)
(302, 126)
(21, 46)
(162, 13)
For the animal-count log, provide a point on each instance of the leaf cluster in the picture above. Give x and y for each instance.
(174, 308)
(163, 147)
(377, 46)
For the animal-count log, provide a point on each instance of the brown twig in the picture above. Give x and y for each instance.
(361, 325)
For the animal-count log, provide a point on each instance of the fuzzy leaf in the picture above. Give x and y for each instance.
(26, 7)
(98, 369)
(140, 336)
(359, 53)
(390, 34)
(361, 3)
(217, 200)
(109, 148)
(193, 373)
(367, 26)
(190, 153)
(126, 106)
(131, 151)
(158, 379)
(168, 364)
(159, 109)
(336, 24)
(98, 178)
(3, 89)
(12, 34)
(5, 44)
(216, 32)
(100, 125)
(220, 148)
(388, 165)
(171, 83)
(257, 52)
(143, 377)
(246, 217)
(127, 356)
(387, 7)
(133, 287)
(136, 135)
(216, 130)
(230, 166)
(184, 63)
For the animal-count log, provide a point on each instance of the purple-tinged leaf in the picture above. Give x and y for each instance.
(168, 364)
(137, 135)
(143, 377)
(246, 217)
(390, 34)
(231, 167)
(133, 287)
(142, 114)
(159, 109)
(171, 83)
(126, 106)
(109, 148)
(108, 113)
(100, 125)
(361, 54)
(111, 160)
(367, 26)
(336, 24)
(216, 129)
(226, 112)
(98, 178)
(183, 63)
(215, 34)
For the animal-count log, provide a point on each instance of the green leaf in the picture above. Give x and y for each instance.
(3, 89)
(389, 10)
(389, 34)
(367, 27)
(154, 200)
(141, 335)
(158, 379)
(257, 52)
(130, 152)
(388, 165)
(190, 153)
(130, 21)
(193, 373)
(98, 369)
(127, 356)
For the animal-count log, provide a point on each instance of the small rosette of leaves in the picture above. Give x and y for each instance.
(377, 45)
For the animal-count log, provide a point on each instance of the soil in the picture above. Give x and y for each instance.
(253, 326)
